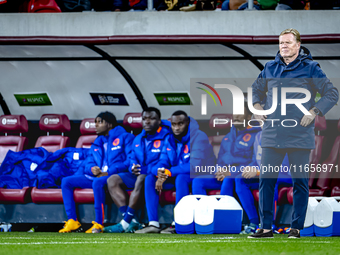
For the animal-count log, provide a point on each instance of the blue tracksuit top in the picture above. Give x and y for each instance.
(237, 148)
(62, 163)
(118, 148)
(305, 73)
(18, 168)
(182, 156)
(146, 149)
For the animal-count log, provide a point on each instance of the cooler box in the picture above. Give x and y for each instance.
(327, 217)
(218, 215)
(184, 214)
(308, 228)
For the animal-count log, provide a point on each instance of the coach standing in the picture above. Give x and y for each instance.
(293, 67)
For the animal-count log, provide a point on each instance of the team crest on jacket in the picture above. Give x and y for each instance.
(116, 142)
(157, 143)
(186, 149)
(246, 137)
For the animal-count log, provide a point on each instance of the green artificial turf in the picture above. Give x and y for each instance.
(156, 244)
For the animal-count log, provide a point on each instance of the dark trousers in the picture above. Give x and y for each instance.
(272, 157)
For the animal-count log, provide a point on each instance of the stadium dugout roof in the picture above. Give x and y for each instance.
(68, 69)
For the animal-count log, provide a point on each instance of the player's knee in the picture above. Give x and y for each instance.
(197, 185)
(239, 182)
(181, 179)
(98, 184)
(65, 182)
(238, 186)
(140, 181)
(150, 180)
(113, 181)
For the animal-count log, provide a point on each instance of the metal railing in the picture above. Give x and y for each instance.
(250, 4)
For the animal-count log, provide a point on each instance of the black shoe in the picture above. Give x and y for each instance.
(169, 230)
(260, 234)
(294, 233)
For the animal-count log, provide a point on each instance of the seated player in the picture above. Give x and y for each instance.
(146, 151)
(236, 151)
(108, 155)
(249, 180)
(184, 149)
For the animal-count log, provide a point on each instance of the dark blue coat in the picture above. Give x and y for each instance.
(18, 168)
(181, 157)
(237, 148)
(305, 73)
(119, 147)
(147, 155)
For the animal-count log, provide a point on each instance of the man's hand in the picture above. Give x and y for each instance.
(220, 175)
(95, 170)
(259, 117)
(307, 119)
(249, 172)
(161, 174)
(136, 169)
(159, 184)
(102, 174)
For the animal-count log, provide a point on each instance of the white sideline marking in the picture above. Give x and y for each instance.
(130, 239)
(161, 242)
(39, 243)
(222, 238)
(9, 237)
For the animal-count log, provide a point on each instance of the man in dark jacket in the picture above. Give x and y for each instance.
(290, 129)
(108, 155)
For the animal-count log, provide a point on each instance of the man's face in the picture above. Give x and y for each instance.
(102, 127)
(179, 125)
(289, 47)
(151, 121)
(240, 118)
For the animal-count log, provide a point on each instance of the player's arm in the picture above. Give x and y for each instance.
(329, 93)
(259, 88)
